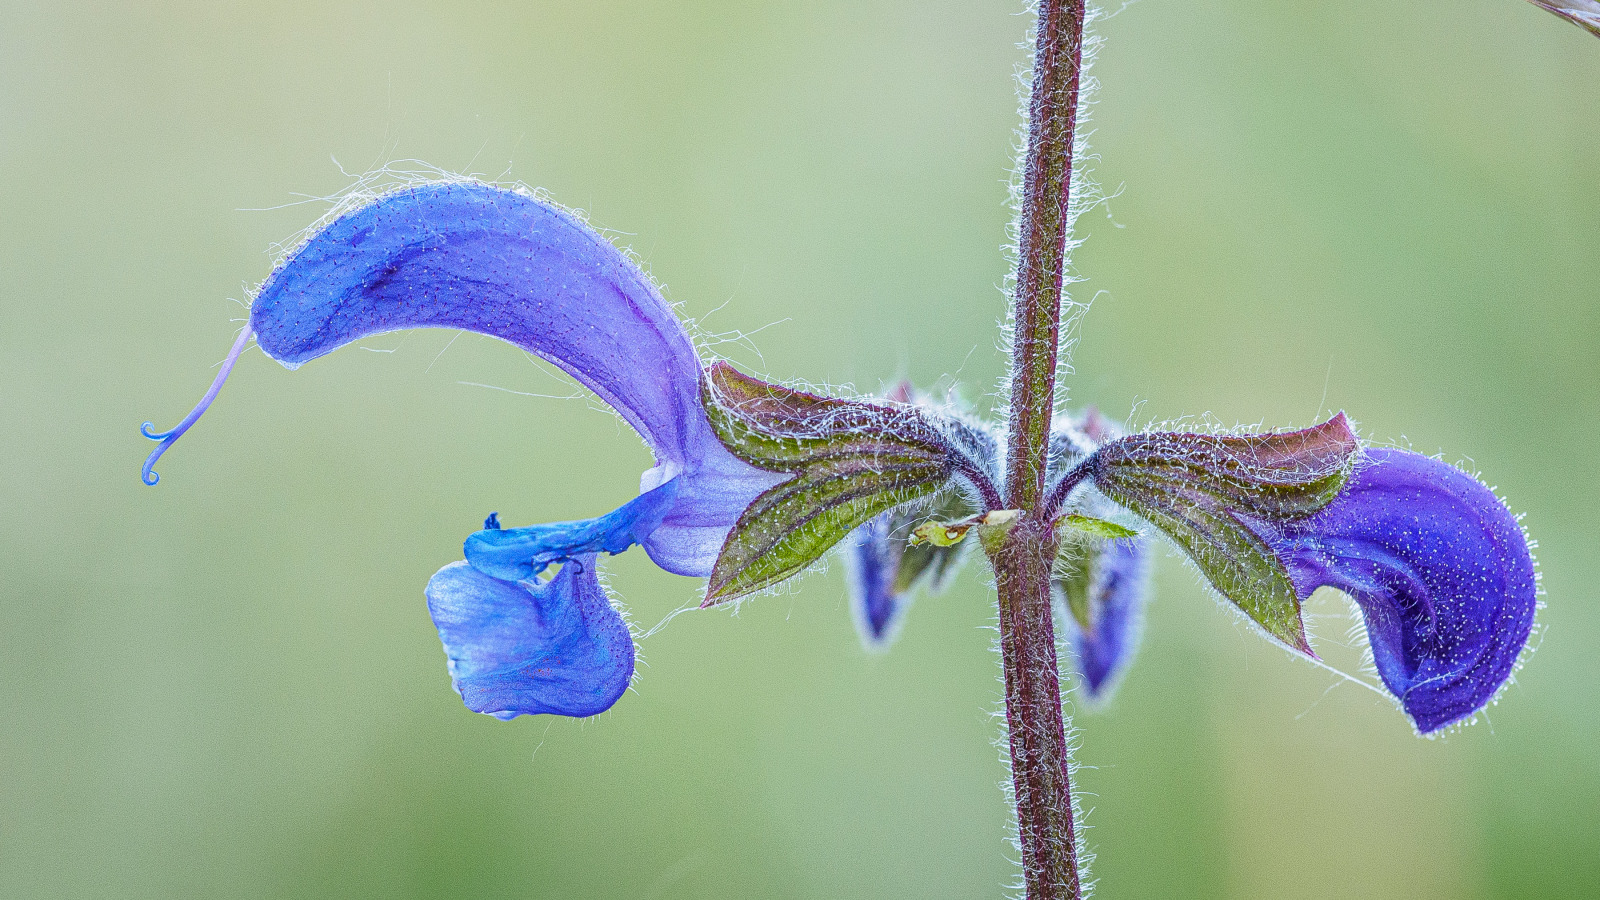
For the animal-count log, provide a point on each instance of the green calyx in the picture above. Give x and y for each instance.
(1202, 490)
(851, 460)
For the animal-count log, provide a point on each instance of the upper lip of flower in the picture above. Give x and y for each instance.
(497, 261)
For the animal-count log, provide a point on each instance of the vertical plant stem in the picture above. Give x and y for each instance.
(1022, 559)
(1024, 553)
(1041, 245)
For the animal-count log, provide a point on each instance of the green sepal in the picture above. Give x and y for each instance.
(851, 460)
(1073, 576)
(1201, 490)
(1097, 528)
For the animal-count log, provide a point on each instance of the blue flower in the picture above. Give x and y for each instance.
(472, 256)
(1440, 569)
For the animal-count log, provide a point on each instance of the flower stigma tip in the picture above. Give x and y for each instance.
(168, 438)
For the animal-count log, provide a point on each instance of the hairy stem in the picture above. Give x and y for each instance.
(1041, 245)
(1024, 553)
(1022, 559)
(1062, 489)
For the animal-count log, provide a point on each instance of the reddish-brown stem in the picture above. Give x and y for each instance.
(1022, 560)
(1041, 245)
(1024, 553)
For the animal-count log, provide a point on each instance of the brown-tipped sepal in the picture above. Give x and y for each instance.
(850, 459)
(1201, 490)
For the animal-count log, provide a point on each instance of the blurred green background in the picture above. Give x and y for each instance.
(228, 686)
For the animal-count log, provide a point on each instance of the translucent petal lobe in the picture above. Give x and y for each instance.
(712, 494)
(525, 649)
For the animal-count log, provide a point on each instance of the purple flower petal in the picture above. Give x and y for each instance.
(518, 554)
(711, 495)
(873, 562)
(499, 262)
(1440, 569)
(523, 649)
(1118, 579)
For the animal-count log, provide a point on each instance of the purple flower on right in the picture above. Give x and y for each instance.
(1440, 569)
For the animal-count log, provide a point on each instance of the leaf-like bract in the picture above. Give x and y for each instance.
(1202, 491)
(851, 460)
